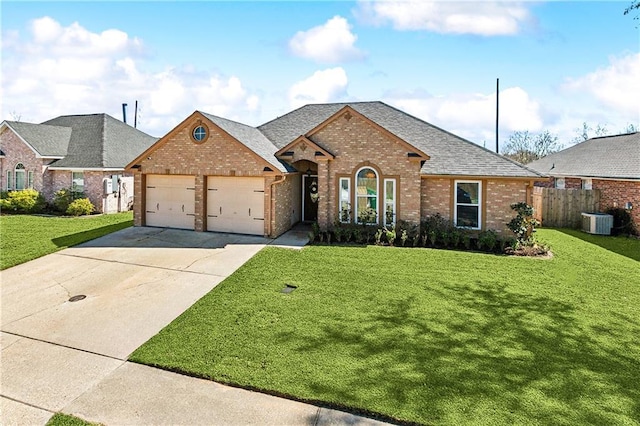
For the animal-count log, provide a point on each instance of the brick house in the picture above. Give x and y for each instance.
(346, 162)
(84, 153)
(608, 163)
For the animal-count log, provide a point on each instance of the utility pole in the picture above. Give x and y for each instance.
(497, 110)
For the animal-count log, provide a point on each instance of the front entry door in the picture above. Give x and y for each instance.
(309, 198)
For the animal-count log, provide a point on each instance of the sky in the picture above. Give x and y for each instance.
(560, 64)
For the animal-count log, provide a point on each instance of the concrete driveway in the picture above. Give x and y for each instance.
(135, 282)
(70, 357)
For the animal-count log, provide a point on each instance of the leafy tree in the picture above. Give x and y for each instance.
(525, 147)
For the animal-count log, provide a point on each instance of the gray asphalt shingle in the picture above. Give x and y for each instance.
(608, 157)
(252, 139)
(100, 141)
(449, 154)
(48, 141)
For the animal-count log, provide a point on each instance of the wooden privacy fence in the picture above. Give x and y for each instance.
(562, 208)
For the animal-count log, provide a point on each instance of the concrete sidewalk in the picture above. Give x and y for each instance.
(115, 392)
(70, 357)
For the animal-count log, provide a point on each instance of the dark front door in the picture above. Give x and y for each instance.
(309, 198)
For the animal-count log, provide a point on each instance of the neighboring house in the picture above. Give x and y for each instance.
(327, 163)
(608, 163)
(84, 153)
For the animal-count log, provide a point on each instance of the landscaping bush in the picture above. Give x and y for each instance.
(64, 197)
(24, 201)
(79, 207)
(523, 225)
(434, 231)
(622, 222)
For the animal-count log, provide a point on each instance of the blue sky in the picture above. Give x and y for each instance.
(560, 63)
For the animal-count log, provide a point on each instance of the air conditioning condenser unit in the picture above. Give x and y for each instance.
(597, 223)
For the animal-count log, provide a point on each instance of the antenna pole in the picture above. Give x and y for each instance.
(135, 117)
(497, 110)
(124, 113)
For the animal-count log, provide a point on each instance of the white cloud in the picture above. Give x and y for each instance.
(616, 86)
(486, 18)
(323, 86)
(473, 116)
(55, 70)
(332, 42)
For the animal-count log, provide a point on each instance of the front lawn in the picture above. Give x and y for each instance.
(426, 336)
(26, 237)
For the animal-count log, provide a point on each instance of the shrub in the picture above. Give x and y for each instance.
(23, 201)
(487, 240)
(64, 197)
(523, 225)
(81, 206)
(622, 222)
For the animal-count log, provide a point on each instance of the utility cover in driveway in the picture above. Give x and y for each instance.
(235, 204)
(170, 201)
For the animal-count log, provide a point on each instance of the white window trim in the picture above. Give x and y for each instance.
(23, 172)
(587, 184)
(9, 180)
(30, 179)
(72, 173)
(559, 183)
(355, 179)
(341, 199)
(393, 202)
(455, 203)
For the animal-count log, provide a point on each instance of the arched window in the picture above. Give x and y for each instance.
(367, 195)
(20, 177)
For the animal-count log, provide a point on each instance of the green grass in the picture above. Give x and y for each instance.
(60, 419)
(25, 237)
(426, 336)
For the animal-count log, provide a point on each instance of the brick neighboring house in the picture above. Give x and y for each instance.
(608, 163)
(324, 163)
(78, 152)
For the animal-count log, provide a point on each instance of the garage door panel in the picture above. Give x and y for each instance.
(170, 201)
(235, 204)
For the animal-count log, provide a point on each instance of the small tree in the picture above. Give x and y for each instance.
(524, 224)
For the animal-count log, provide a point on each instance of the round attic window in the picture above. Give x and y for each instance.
(200, 134)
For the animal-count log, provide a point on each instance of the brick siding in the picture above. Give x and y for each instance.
(616, 193)
(219, 155)
(357, 143)
(16, 151)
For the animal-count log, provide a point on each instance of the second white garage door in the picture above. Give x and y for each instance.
(235, 204)
(170, 201)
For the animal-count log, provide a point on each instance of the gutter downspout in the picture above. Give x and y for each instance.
(272, 202)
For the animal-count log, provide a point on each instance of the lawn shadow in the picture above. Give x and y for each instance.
(494, 354)
(84, 236)
(624, 246)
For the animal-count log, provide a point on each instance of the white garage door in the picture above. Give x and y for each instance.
(235, 204)
(171, 201)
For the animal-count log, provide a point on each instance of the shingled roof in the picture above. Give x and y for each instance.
(252, 139)
(47, 141)
(449, 154)
(616, 157)
(99, 141)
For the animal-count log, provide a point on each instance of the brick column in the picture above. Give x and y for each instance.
(324, 191)
(201, 203)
